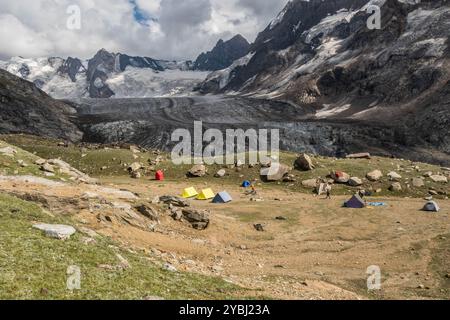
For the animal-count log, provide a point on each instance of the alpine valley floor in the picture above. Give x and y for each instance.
(318, 250)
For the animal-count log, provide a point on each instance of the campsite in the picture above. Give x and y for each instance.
(275, 239)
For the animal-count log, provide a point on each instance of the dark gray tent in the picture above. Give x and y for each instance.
(222, 197)
(355, 202)
(431, 206)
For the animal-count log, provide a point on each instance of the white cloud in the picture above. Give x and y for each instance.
(182, 29)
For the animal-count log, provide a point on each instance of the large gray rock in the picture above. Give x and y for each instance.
(175, 201)
(375, 175)
(364, 155)
(148, 211)
(8, 151)
(395, 187)
(56, 231)
(221, 173)
(134, 167)
(341, 177)
(439, 178)
(394, 176)
(355, 182)
(198, 170)
(304, 162)
(48, 168)
(199, 219)
(275, 172)
(417, 183)
(311, 183)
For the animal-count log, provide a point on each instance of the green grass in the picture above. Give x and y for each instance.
(33, 266)
(95, 160)
(11, 166)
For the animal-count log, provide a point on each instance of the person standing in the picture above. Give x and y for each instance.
(328, 189)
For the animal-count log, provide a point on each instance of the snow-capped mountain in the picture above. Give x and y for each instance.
(321, 55)
(106, 75)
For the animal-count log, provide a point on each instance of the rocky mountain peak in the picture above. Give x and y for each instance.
(223, 54)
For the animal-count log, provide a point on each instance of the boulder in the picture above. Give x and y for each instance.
(364, 155)
(341, 177)
(136, 175)
(275, 172)
(428, 174)
(439, 178)
(48, 168)
(289, 178)
(40, 161)
(134, 167)
(198, 170)
(417, 182)
(395, 187)
(355, 182)
(170, 268)
(375, 175)
(265, 162)
(148, 211)
(311, 183)
(221, 173)
(394, 176)
(8, 151)
(199, 219)
(304, 163)
(175, 201)
(22, 163)
(56, 231)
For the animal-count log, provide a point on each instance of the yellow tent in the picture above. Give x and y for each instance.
(189, 193)
(206, 195)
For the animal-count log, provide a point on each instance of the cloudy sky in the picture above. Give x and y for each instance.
(164, 29)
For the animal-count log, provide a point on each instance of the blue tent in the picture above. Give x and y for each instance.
(222, 197)
(246, 184)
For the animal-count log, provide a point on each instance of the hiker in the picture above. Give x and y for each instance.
(254, 192)
(328, 191)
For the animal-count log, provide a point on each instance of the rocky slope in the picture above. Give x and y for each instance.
(26, 109)
(106, 75)
(223, 54)
(322, 55)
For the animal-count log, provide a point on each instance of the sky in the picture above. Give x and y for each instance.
(162, 29)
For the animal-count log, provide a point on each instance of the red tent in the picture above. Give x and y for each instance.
(159, 176)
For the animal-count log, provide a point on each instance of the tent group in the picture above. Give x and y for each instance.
(357, 202)
(207, 194)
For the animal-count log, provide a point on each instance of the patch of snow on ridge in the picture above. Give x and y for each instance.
(36, 69)
(329, 111)
(328, 24)
(61, 87)
(224, 76)
(145, 83)
(327, 50)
